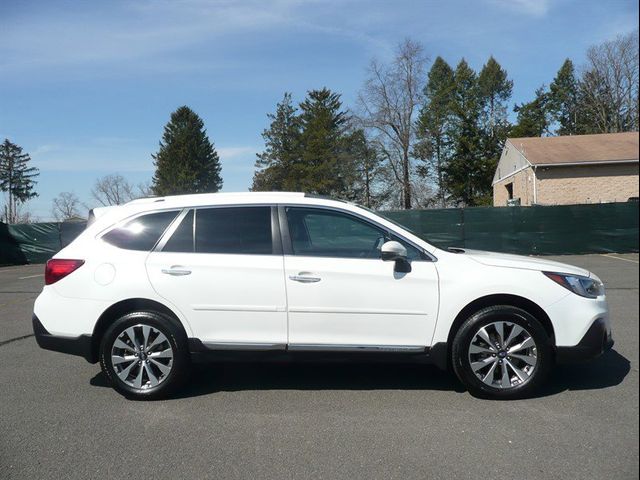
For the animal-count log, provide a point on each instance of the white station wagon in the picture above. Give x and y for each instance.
(158, 283)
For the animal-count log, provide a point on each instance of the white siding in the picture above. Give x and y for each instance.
(511, 162)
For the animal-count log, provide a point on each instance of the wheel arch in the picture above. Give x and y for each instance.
(442, 352)
(121, 308)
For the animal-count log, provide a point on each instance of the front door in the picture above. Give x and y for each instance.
(220, 268)
(341, 295)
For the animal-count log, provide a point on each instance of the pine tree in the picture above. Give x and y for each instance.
(311, 151)
(533, 117)
(463, 174)
(563, 100)
(187, 161)
(433, 122)
(323, 124)
(16, 177)
(282, 149)
(495, 91)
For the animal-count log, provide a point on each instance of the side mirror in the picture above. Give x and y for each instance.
(392, 251)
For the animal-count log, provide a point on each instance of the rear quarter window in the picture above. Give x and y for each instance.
(140, 233)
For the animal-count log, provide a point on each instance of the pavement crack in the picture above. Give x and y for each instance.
(11, 340)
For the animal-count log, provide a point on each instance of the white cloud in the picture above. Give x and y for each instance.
(534, 8)
(229, 153)
(44, 149)
(94, 155)
(125, 32)
(240, 161)
(120, 154)
(152, 34)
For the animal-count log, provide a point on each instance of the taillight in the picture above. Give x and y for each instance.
(58, 268)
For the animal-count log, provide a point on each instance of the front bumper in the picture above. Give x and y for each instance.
(594, 343)
(81, 346)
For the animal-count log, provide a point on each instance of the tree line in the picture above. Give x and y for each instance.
(417, 137)
(186, 162)
(421, 137)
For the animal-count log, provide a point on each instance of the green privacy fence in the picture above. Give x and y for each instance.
(552, 230)
(35, 242)
(565, 229)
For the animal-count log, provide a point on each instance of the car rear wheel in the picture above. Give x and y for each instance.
(144, 355)
(501, 352)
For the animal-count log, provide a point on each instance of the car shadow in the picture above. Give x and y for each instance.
(608, 371)
(210, 378)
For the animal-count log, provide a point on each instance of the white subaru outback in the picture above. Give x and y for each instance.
(158, 283)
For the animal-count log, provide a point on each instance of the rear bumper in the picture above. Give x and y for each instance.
(595, 342)
(80, 346)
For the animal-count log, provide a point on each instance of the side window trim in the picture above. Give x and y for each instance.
(276, 242)
(276, 239)
(276, 236)
(287, 245)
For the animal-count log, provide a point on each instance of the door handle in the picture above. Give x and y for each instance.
(176, 271)
(304, 277)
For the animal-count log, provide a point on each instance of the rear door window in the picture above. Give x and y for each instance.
(140, 233)
(234, 230)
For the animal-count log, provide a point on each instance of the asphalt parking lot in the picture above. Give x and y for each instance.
(59, 419)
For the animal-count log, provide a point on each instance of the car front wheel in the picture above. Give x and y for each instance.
(501, 352)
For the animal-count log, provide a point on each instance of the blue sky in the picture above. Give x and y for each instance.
(86, 87)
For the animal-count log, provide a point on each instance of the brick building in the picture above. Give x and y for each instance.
(567, 170)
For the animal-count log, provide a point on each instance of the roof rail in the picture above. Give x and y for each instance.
(324, 197)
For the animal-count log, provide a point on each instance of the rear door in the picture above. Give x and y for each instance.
(223, 268)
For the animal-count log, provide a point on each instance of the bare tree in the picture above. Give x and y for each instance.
(20, 214)
(609, 86)
(113, 190)
(23, 215)
(389, 102)
(65, 206)
(424, 195)
(144, 189)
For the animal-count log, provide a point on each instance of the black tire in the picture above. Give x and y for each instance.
(179, 364)
(462, 342)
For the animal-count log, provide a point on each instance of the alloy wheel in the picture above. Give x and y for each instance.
(503, 355)
(142, 356)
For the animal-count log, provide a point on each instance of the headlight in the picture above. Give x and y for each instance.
(583, 286)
